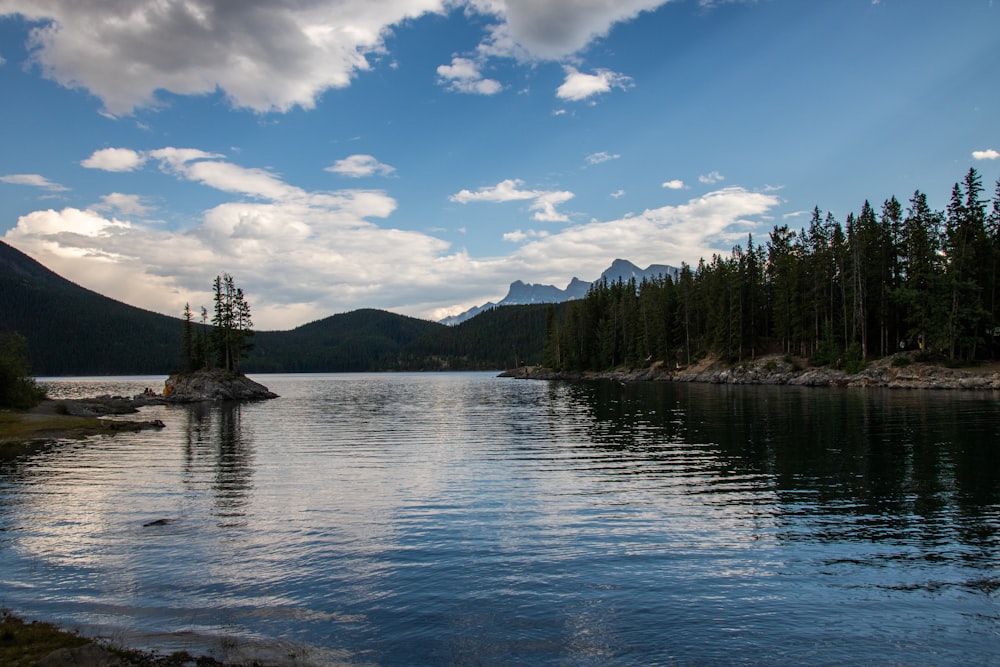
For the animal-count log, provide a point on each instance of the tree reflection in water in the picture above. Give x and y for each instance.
(215, 433)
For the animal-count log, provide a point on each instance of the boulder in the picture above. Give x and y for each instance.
(213, 385)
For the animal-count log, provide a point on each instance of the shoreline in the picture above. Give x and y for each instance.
(56, 420)
(899, 371)
(28, 643)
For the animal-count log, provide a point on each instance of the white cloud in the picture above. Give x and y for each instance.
(33, 180)
(124, 204)
(176, 158)
(671, 234)
(579, 86)
(603, 156)
(463, 76)
(114, 159)
(711, 178)
(617, 194)
(273, 56)
(267, 56)
(206, 168)
(544, 202)
(359, 166)
(675, 184)
(988, 154)
(518, 236)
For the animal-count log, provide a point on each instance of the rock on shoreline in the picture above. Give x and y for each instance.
(213, 385)
(895, 372)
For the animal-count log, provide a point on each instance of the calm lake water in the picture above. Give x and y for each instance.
(435, 519)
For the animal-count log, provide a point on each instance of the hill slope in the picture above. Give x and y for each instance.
(74, 331)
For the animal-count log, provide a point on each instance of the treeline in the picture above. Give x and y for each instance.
(882, 281)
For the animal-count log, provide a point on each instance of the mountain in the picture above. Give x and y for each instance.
(521, 293)
(74, 331)
(624, 270)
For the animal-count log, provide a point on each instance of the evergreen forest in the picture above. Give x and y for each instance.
(896, 278)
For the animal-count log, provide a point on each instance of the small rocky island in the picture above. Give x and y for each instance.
(213, 385)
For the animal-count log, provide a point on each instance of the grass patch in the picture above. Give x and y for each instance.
(19, 426)
(26, 643)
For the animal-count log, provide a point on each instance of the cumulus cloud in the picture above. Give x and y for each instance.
(33, 180)
(579, 86)
(124, 204)
(463, 76)
(675, 184)
(988, 154)
(603, 156)
(274, 56)
(359, 166)
(617, 194)
(543, 202)
(711, 178)
(114, 159)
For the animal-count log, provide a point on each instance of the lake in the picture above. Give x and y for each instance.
(436, 519)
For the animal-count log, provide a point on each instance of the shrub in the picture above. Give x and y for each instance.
(901, 361)
(854, 361)
(17, 389)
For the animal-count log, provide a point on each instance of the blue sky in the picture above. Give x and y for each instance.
(419, 155)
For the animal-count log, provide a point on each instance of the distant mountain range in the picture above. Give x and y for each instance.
(522, 294)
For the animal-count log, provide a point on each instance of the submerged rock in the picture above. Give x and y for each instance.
(213, 385)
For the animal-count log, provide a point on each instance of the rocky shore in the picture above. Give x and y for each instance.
(900, 371)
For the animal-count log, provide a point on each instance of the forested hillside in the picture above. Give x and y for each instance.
(376, 340)
(882, 281)
(73, 331)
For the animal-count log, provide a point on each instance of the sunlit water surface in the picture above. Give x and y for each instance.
(428, 519)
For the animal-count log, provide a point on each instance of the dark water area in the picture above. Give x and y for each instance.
(429, 519)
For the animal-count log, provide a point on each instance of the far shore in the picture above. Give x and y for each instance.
(899, 371)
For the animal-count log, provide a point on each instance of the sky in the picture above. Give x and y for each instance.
(419, 155)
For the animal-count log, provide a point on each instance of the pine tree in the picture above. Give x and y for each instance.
(187, 340)
(232, 325)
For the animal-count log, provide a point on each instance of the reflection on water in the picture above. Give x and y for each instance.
(214, 435)
(429, 519)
